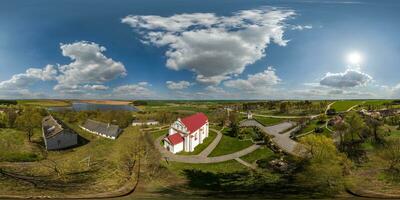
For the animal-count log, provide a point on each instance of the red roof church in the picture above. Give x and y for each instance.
(186, 133)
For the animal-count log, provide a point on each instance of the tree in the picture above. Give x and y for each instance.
(391, 154)
(356, 124)
(283, 107)
(341, 129)
(321, 119)
(234, 132)
(324, 166)
(11, 116)
(374, 125)
(28, 121)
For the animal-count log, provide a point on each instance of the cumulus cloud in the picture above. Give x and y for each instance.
(301, 27)
(89, 66)
(255, 82)
(30, 76)
(95, 87)
(88, 71)
(139, 90)
(214, 47)
(178, 85)
(350, 78)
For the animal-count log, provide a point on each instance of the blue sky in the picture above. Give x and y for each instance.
(180, 49)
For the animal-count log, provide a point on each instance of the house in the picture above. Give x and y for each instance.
(186, 133)
(103, 129)
(56, 135)
(141, 123)
(249, 115)
(336, 120)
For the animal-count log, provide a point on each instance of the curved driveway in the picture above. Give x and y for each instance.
(202, 157)
(282, 140)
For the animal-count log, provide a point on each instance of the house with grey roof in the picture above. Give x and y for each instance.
(56, 135)
(142, 123)
(103, 129)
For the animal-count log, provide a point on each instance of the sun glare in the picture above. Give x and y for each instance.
(354, 58)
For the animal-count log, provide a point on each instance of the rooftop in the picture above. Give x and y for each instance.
(51, 126)
(102, 128)
(194, 122)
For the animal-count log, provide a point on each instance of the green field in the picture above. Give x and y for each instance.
(97, 165)
(311, 126)
(341, 106)
(223, 167)
(269, 121)
(261, 153)
(157, 134)
(229, 145)
(201, 147)
(15, 147)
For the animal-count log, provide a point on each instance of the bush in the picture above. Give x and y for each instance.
(318, 130)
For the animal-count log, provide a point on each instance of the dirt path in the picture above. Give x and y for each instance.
(329, 107)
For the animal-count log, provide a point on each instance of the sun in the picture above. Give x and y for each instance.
(354, 58)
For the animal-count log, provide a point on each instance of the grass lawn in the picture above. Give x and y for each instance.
(229, 145)
(201, 147)
(45, 103)
(157, 134)
(98, 165)
(341, 106)
(394, 133)
(268, 121)
(15, 147)
(222, 167)
(311, 126)
(260, 153)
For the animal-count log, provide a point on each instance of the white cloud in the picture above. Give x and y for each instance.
(214, 47)
(255, 82)
(89, 66)
(139, 90)
(350, 78)
(301, 27)
(178, 85)
(31, 75)
(95, 87)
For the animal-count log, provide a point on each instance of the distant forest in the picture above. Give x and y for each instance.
(8, 102)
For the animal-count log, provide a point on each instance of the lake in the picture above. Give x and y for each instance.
(78, 106)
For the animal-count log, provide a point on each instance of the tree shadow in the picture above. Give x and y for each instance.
(241, 185)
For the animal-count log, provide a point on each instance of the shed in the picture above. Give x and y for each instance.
(56, 135)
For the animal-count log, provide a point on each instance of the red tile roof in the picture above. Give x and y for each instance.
(175, 138)
(194, 122)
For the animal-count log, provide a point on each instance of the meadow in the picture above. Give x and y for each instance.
(344, 105)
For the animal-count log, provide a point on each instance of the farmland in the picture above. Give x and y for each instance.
(341, 106)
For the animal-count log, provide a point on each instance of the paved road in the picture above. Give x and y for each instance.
(282, 140)
(201, 158)
(213, 144)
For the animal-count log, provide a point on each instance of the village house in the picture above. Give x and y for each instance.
(109, 131)
(142, 123)
(186, 133)
(336, 120)
(249, 115)
(56, 135)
